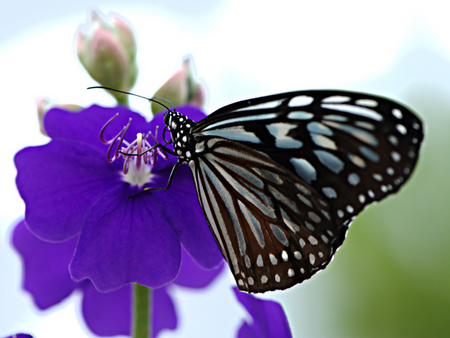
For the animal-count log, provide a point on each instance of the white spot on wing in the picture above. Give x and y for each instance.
(280, 131)
(301, 100)
(359, 111)
(367, 102)
(330, 161)
(259, 261)
(243, 119)
(237, 133)
(300, 115)
(329, 192)
(336, 99)
(279, 234)
(273, 259)
(304, 169)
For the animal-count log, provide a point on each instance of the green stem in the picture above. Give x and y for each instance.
(141, 311)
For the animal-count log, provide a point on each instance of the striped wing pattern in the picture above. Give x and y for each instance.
(272, 228)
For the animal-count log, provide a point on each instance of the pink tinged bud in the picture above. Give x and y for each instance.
(107, 50)
(44, 104)
(183, 87)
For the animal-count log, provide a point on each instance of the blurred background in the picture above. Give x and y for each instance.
(391, 278)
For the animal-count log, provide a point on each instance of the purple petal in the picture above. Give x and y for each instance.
(193, 276)
(269, 319)
(189, 220)
(20, 335)
(164, 315)
(108, 314)
(60, 190)
(46, 273)
(84, 126)
(127, 240)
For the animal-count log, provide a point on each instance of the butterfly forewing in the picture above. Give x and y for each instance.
(353, 148)
(273, 229)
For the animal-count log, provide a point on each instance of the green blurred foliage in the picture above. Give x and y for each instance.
(394, 278)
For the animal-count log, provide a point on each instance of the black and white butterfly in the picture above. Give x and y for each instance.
(281, 177)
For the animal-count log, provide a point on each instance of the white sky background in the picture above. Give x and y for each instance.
(241, 49)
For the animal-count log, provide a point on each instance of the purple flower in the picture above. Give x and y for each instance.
(269, 319)
(70, 190)
(47, 279)
(20, 335)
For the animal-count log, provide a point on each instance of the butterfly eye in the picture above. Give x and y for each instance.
(166, 119)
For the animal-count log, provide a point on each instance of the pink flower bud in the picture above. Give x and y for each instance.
(182, 88)
(107, 49)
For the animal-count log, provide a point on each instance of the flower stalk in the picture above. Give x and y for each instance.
(141, 311)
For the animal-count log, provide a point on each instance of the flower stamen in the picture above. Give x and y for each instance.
(139, 156)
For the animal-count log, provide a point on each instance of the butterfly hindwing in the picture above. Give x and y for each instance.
(273, 229)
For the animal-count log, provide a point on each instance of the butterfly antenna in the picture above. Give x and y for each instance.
(142, 97)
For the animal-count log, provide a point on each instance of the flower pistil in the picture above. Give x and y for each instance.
(139, 156)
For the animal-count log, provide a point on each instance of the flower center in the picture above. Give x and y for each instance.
(139, 156)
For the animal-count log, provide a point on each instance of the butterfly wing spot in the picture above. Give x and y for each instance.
(291, 272)
(336, 99)
(300, 101)
(300, 115)
(330, 161)
(364, 124)
(323, 141)
(361, 199)
(367, 102)
(397, 113)
(356, 110)
(390, 171)
(401, 129)
(319, 128)
(329, 192)
(273, 259)
(259, 261)
(369, 154)
(313, 240)
(237, 133)
(280, 131)
(394, 140)
(337, 118)
(279, 234)
(304, 169)
(356, 160)
(354, 179)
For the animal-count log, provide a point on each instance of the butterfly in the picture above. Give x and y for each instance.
(281, 177)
